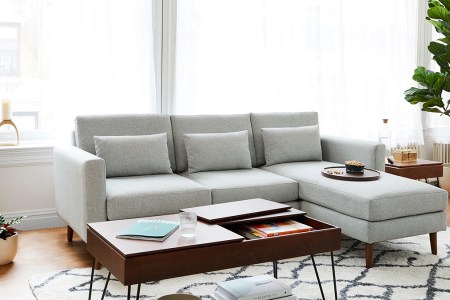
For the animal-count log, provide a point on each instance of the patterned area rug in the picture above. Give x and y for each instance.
(403, 269)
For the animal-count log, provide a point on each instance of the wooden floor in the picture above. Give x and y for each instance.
(46, 250)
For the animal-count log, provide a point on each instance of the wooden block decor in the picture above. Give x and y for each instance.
(405, 155)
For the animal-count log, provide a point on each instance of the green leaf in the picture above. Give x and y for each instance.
(446, 4)
(443, 61)
(420, 75)
(438, 12)
(433, 110)
(436, 101)
(439, 27)
(447, 84)
(437, 48)
(415, 95)
(436, 83)
(432, 3)
(445, 40)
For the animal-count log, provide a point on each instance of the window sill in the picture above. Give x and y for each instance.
(25, 154)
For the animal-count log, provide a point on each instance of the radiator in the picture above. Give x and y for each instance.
(441, 152)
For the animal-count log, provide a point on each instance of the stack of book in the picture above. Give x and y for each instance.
(263, 287)
(272, 228)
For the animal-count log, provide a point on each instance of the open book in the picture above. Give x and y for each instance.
(275, 228)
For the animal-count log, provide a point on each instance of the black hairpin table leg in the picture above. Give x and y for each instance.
(106, 285)
(92, 279)
(275, 269)
(138, 291)
(317, 276)
(334, 276)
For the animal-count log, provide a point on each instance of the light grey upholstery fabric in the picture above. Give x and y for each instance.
(134, 155)
(86, 127)
(387, 198)
(372, 232)
(207, 124)
(291, 144)
(233, 185)
(339, 150)
(276, 120)
(79, 181)
(152, 195)
(217, 151)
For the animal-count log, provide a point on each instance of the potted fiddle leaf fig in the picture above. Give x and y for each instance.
(434, 84)
(9, 237)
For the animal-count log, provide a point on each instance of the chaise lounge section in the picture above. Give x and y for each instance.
(221, 158)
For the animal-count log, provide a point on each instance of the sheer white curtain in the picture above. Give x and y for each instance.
(350, 60)
(100, 57)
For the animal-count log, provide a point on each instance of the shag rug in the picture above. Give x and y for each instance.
(403, 269)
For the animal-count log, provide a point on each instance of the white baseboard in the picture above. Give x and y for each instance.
(37, 219)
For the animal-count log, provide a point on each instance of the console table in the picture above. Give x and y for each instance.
(420, 169)
(215, 247)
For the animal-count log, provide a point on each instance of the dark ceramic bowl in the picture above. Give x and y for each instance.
(354, 169)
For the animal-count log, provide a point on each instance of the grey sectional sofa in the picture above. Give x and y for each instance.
(211, 159)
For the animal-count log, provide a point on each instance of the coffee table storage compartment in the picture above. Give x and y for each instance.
(323, 238)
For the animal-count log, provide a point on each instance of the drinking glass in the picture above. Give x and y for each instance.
(188, 224)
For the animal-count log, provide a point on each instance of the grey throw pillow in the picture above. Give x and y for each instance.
(291, 144)
(134, 155)
(217, 151)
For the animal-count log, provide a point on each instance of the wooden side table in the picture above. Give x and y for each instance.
(420, 169)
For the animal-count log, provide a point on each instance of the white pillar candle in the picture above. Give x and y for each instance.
(6, 109)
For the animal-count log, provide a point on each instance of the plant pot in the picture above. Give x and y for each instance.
(8, 249)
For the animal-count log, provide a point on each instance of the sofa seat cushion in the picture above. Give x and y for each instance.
(387, 198)
(233, 185)
(152, 195)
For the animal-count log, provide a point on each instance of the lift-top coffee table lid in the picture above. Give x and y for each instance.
(237, 210)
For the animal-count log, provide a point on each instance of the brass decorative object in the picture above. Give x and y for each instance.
(9, 122)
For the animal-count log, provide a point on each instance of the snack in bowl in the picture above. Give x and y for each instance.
(354, 166)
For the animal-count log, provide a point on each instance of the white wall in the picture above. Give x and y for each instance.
(26, 186)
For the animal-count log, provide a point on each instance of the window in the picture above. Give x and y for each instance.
(9, 49)
(59, 59)
(348, 61)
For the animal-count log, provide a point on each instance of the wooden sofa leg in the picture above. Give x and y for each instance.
(98, 265)
(433, 242)
(69, 234)
(369, 255)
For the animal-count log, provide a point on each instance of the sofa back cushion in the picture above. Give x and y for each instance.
(184, 124)
(217, 151)
(277, 120)
(134, 155)
(86, 127)
(291, 144)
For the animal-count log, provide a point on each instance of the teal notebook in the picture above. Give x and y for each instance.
(153, 230)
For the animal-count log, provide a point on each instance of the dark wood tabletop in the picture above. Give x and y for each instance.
(411, 164)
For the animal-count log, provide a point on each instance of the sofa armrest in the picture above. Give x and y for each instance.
(80, 187)
(339, 150)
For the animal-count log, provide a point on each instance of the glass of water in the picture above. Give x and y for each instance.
(188, 224)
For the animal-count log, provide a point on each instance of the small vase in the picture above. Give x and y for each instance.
(8, 249)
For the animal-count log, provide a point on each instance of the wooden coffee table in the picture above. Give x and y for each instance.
(215, 247)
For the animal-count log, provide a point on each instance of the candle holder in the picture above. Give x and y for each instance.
(9, 122)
